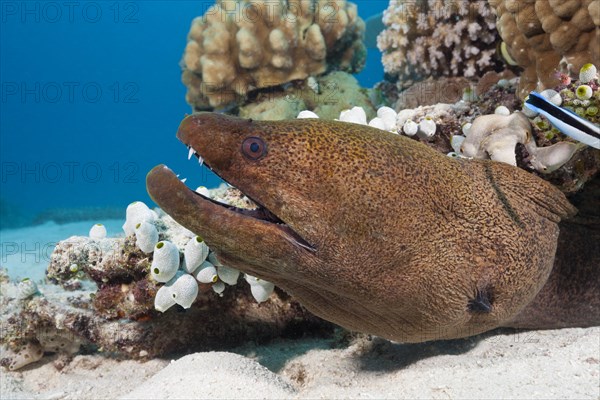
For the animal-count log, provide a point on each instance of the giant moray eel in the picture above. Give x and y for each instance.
(373, 231)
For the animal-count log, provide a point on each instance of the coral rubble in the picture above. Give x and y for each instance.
(544, 36)
(240, 45)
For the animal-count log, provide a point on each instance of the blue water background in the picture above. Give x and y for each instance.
(92, 97)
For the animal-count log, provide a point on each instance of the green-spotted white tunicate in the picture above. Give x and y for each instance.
(164, 299)
(587, 73)
(146, 236)
(166, 261)
(194, 254)
(228, 275)
(206, 273)
(98, 232)
(261, 289)
(184, 290)
(137, 212)
(584, 92)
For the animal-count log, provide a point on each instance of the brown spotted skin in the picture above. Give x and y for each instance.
(407, 241)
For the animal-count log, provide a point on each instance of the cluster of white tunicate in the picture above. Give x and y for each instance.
(97, 232)
(385, 119)
(261, 289)
(181, 278)
(165, 262)
(388, 120)
(180, 270)
(137, 212)
(182, 289)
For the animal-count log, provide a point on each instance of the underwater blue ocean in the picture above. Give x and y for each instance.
(300, 199)
(91, 100)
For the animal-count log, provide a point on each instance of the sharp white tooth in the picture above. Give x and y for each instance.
(190, 153)
(183, 180)
(200, 160)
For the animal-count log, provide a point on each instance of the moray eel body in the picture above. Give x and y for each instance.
(370, 230)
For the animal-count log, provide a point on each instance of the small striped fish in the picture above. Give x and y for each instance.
(565, 120)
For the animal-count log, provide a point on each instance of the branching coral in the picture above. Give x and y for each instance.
(242, 45)
(540, 35)
(438, 38)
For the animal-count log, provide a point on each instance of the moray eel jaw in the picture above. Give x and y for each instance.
(236, 235)
(371, 230)
(218, 223)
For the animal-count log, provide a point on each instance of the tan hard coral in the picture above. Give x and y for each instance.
(242, 45)
(433, 38)
(546, 36)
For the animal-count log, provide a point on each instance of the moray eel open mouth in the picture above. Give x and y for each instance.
(260, 212)
(205, 142)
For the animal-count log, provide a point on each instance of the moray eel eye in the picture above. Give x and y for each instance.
(254, 148)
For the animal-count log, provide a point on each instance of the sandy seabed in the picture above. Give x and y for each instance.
(557, 364)
(552, 364)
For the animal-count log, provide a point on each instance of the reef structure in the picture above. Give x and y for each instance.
(101, 295)
(546, 36)
(435, 38)
(239, 46)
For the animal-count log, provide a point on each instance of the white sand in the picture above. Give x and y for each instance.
(559, 364)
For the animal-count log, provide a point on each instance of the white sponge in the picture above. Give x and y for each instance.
(184, 290)
(261, 289)
(355, 115)
(146, 236)
(194, 254)
(137, 212)
(228, 275)
(98, 232)
(206, 273)
(165, 262)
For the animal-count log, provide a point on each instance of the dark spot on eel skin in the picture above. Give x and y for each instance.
(482, 303)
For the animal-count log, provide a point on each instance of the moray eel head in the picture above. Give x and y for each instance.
(370, 230)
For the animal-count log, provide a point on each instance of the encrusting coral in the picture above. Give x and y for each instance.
(437, 38)
(240, 45)
(544, 36)
(327, 97)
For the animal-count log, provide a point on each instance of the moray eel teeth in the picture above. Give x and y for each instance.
(186, 136)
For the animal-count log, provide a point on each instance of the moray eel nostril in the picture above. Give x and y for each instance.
(371, 230)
